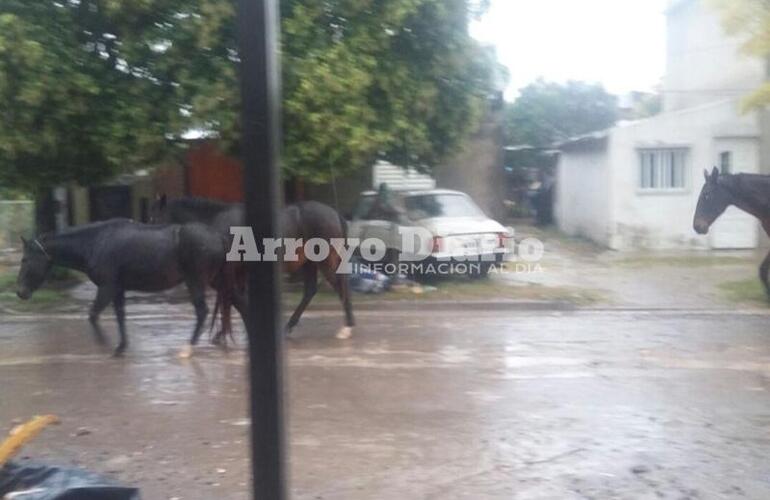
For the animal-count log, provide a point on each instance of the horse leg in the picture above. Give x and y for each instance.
(217, 306)
(197, 290)
(221, 308)
(119, 305)
(227, 325)
(238, 301)
(344, 293)
(104, 295)
(340, 284)
(763, 273)
(310, 287)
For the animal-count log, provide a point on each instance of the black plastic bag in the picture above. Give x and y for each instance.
(40, 482)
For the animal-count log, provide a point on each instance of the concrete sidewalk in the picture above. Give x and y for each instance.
(663, 279)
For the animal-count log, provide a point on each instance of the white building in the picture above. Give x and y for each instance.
(636, 185)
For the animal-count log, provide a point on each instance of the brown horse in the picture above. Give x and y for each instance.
(749, 192)
(304, 221)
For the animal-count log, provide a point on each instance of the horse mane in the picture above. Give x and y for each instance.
(203, 208)
(82, 230)
(754, 189)
(200, 204)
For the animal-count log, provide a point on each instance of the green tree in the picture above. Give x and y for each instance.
(545, 112)
(68, 112)
(90, 87)
(750, 20)
(361, 79)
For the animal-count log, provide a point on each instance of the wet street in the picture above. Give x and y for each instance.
(432, 404)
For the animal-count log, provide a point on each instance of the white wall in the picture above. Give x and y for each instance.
(703, 64)
(664, 219)
(582, 193)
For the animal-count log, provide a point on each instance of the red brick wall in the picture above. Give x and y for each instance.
(168, 179)
(212, 174)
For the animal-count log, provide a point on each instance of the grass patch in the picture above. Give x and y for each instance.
(7, 279)
(744, 291)
(458, 289)
(492, 290)
(51, 293)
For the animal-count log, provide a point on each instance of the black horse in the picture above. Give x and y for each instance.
(304, 220)
(120, 255)
(749, 192)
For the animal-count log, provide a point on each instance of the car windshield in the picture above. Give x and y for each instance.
(441, 205)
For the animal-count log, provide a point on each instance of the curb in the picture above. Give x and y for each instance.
(452, 305)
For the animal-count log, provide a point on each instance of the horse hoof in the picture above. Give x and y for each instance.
(119, 352)
(186, 352)
(345, 333)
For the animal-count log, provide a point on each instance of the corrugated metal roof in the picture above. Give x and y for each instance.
(597, 138)
(419, 192)
(400, 179)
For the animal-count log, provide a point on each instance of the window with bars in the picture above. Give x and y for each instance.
(662, 169)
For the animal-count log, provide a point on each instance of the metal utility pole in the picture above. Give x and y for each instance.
(260, 94)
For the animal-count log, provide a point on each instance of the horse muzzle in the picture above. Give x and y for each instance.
(701, 227)
(23, 294)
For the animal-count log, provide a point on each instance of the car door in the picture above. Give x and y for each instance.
(363, 227)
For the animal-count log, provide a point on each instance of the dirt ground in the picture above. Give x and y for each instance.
(644, 279)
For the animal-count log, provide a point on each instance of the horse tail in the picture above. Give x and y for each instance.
(344, 227)
(217, 306)
(221, 282)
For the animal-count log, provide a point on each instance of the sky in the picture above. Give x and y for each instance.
(619, 43)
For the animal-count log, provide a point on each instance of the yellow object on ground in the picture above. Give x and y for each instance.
(22, 434)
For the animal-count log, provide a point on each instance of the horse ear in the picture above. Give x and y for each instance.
(162, 200)
(715, 173)
(706, 174)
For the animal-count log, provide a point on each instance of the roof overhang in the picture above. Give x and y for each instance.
(592, 141)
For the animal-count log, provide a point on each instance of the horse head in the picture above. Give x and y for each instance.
(36, 262)
(713, 201)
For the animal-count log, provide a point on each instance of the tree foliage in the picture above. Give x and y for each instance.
(67, 114)
(546, 112)
(750, 20)
(90, 87)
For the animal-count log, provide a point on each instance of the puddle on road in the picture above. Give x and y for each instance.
(702, 364)
(545, 376)
(54, 358)
(534, 361)
(452, 354)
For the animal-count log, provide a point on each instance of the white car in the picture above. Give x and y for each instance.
(459, 229)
